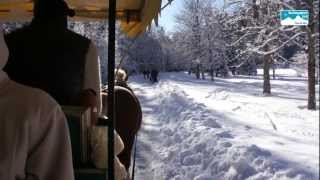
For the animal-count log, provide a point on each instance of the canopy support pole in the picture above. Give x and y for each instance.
(111, 97)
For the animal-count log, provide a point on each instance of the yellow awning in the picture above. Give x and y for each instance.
(134, 15)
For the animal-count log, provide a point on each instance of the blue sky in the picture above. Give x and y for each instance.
(167, 19)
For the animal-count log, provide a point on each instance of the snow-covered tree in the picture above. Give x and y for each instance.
(213, 42)
(270, 38)
(142, 53)
(189, 24)
(200, 37)
(97, 32)
(261, 33)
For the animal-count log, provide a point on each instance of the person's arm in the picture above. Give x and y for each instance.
(92, 78)
(49, 152)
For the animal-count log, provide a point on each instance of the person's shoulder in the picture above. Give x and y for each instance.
(15, 37)
(80, 41)
(37, 107)
(18, 33)
(75, 35)
(33, 96)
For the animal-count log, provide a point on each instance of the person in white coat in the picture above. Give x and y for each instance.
(34, 137)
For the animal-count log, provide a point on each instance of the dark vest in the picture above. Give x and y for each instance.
(51, 59)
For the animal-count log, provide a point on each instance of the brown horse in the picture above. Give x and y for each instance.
(128, 119)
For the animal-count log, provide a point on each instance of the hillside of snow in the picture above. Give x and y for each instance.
(203, 130)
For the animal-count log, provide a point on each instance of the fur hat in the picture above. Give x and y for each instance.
(120, 75)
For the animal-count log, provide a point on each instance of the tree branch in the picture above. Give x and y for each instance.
(256, 50)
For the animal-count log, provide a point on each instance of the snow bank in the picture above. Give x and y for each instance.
(185, 136)
(282, 72)
(193, 144)
(200, 149)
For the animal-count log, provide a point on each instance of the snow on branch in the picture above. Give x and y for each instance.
(251, 28)
(228, 3)
(295, 42)
(273, 32)
(237, 19)
(281, 57)
(257, 50)
(266, 43)
(242, 37)
(285, 4)
(283, 29)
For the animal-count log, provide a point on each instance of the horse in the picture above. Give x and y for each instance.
(128, 118)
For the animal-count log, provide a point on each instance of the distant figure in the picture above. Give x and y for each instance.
(154, 76)
(128, 115)
(34, 137)
(146, 74)
(46, 55)
(233, 70)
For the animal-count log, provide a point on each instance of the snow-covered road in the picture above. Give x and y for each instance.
(203, 130)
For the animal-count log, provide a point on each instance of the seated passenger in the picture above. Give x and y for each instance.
(34, 138)
(46, 55)
(128, 115)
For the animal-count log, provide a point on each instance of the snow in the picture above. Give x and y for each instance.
(203, 130)
(282, 72)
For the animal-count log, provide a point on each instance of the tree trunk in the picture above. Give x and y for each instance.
(266, 75)
(311, 71)
(255, 9)
(317, 75)
(198, 71)
(212, 73)
(311, 61)
(273, 70)
(202, 73)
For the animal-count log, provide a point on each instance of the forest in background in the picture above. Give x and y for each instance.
(234, 40)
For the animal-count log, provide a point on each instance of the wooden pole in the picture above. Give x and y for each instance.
(111, 99)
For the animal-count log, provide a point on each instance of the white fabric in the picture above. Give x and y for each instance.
(99, 146)
(92, 79)
(34, 137)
